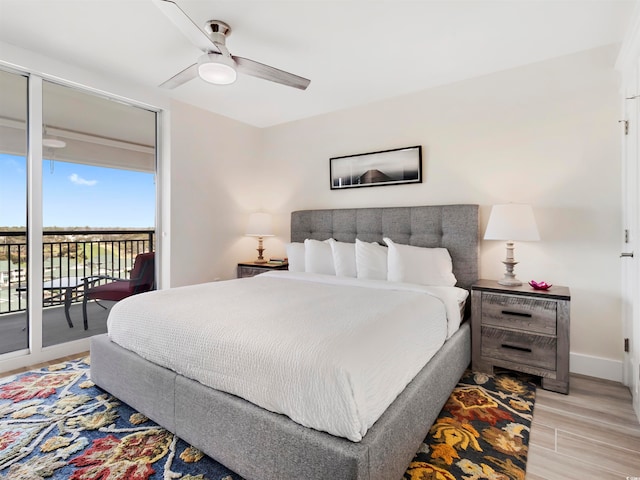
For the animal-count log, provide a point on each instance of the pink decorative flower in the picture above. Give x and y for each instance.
(540, 285)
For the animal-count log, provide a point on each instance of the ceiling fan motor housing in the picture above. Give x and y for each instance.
(218, 31)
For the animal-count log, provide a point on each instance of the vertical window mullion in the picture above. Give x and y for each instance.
(34, 213)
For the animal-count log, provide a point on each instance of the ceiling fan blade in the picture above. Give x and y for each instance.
(256, 69)
(184, 76)
(186, 25)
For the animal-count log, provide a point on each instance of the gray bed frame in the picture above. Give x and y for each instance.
(261, 445)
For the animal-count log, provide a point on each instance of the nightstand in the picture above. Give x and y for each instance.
(522, 329)
(250, 269)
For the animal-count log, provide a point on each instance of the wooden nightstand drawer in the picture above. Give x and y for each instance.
(521, 329)
(522, 313)
(250, 272)
(251, 269)
(519, 347)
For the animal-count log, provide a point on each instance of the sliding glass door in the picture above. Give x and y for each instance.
(14, 333)
(98, 196)
(77, 209)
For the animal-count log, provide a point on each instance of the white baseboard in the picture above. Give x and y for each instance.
(595, 366)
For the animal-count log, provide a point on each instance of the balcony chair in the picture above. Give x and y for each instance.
(142, 280)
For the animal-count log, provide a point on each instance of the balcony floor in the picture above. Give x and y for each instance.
(54, 326)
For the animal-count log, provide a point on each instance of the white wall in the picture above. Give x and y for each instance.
(213, 164)
(544, 134)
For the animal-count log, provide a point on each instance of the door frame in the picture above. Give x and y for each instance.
(628, 63)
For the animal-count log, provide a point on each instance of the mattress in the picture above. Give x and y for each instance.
(330, 353)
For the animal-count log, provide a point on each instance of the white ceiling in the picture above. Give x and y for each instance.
(354, 52)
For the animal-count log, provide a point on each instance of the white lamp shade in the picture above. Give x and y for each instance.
(512, 222)
(259, 225)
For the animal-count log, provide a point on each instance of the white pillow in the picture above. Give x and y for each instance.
(423, 266)
(344, 258)
(371, 260)
(295, 254)
(318, 257)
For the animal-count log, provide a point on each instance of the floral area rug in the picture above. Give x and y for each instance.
(55, 423)
(481, 433)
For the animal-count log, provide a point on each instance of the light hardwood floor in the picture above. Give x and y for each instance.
(590, 434)
(43, 364)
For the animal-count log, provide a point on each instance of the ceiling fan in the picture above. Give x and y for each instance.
(217, 65)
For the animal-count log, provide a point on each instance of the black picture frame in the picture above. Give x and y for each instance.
(387, 167)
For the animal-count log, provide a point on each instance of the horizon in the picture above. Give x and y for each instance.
(77, 195)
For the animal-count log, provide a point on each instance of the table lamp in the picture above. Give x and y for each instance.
(511, 222)
(259, 226)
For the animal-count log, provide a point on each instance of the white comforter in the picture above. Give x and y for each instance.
(329, 352)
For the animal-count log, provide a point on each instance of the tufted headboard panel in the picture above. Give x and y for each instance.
(454, 227)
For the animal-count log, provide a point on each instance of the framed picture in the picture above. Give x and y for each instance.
(389, 167)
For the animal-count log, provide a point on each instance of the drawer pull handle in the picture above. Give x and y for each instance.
(514, 347)
(517, 314)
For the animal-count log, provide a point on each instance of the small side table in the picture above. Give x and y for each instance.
(250, 269)
(70, 286)
(521, 329)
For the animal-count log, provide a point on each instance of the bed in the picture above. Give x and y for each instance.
(261, 445)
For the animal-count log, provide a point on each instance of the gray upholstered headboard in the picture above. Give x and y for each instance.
(454, 227)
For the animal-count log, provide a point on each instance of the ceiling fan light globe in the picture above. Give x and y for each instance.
(217, 74)
(217, 69)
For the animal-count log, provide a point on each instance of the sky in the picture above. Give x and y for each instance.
(77, 195)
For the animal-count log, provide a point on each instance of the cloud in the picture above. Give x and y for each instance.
(78, 180)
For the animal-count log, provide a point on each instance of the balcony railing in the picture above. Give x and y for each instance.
(67, 254)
